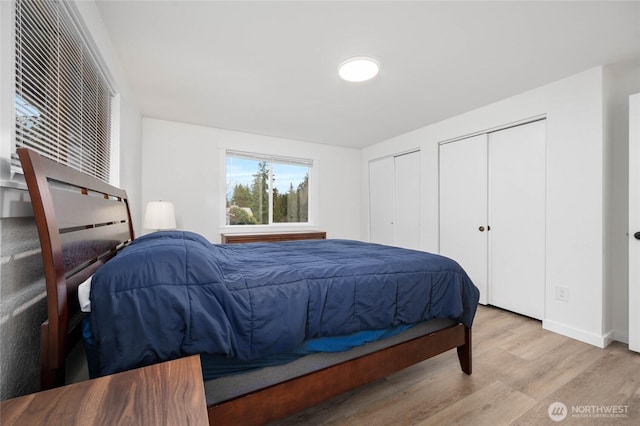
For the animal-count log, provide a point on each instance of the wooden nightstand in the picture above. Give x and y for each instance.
(169, 393)
(272, 237)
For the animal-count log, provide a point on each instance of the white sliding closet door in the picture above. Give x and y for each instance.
(463, 207)
(407, 204)
(634, 222)
(382, 200)
(517, 219)
(492, 214)
(394, 200)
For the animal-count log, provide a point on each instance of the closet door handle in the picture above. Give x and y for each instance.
(637, 235)
(481, 229)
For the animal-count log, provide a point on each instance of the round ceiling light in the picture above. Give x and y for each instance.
(359, 68)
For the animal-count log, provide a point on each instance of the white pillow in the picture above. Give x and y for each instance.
(84, 290)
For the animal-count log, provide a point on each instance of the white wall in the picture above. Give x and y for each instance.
(184, 163)
(575, 190)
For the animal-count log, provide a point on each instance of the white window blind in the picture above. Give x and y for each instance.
(62, 98)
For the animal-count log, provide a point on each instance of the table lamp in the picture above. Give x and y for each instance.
(160, 215)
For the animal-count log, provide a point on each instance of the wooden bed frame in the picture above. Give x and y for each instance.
(83, 222)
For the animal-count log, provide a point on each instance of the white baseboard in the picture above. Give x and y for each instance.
(601, 341)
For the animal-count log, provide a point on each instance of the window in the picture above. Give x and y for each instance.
(62, 98)
(265, 190)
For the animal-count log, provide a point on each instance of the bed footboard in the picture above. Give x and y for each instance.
(464, 352)
(295, 395)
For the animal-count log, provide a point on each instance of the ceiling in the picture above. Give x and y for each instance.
(270, 68)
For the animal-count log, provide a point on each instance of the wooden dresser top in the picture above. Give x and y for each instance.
(169, 393)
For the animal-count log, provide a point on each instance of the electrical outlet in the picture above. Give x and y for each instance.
(562, 293)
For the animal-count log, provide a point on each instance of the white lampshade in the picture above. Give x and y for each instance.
(160, 215)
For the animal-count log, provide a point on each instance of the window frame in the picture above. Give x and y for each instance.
(271, 226)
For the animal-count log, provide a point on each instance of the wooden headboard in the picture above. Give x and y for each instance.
(82, 222)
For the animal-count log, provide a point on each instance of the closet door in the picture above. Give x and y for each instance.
(634, 222)
(463, 207)
(382, 200)
(407, 202)
(394, 200)
(517, 219)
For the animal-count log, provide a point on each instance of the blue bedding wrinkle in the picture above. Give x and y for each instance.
(172, 294)
(350, 341)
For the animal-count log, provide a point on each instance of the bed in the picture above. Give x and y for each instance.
(85, 227)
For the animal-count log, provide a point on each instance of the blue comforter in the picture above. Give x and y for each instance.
(171, 294)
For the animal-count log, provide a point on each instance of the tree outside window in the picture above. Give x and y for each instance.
(264, 190)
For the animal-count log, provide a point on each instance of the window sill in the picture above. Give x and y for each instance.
(14, 199)
(14, 184)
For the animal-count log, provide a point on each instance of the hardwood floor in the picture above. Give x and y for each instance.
(519, 370)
